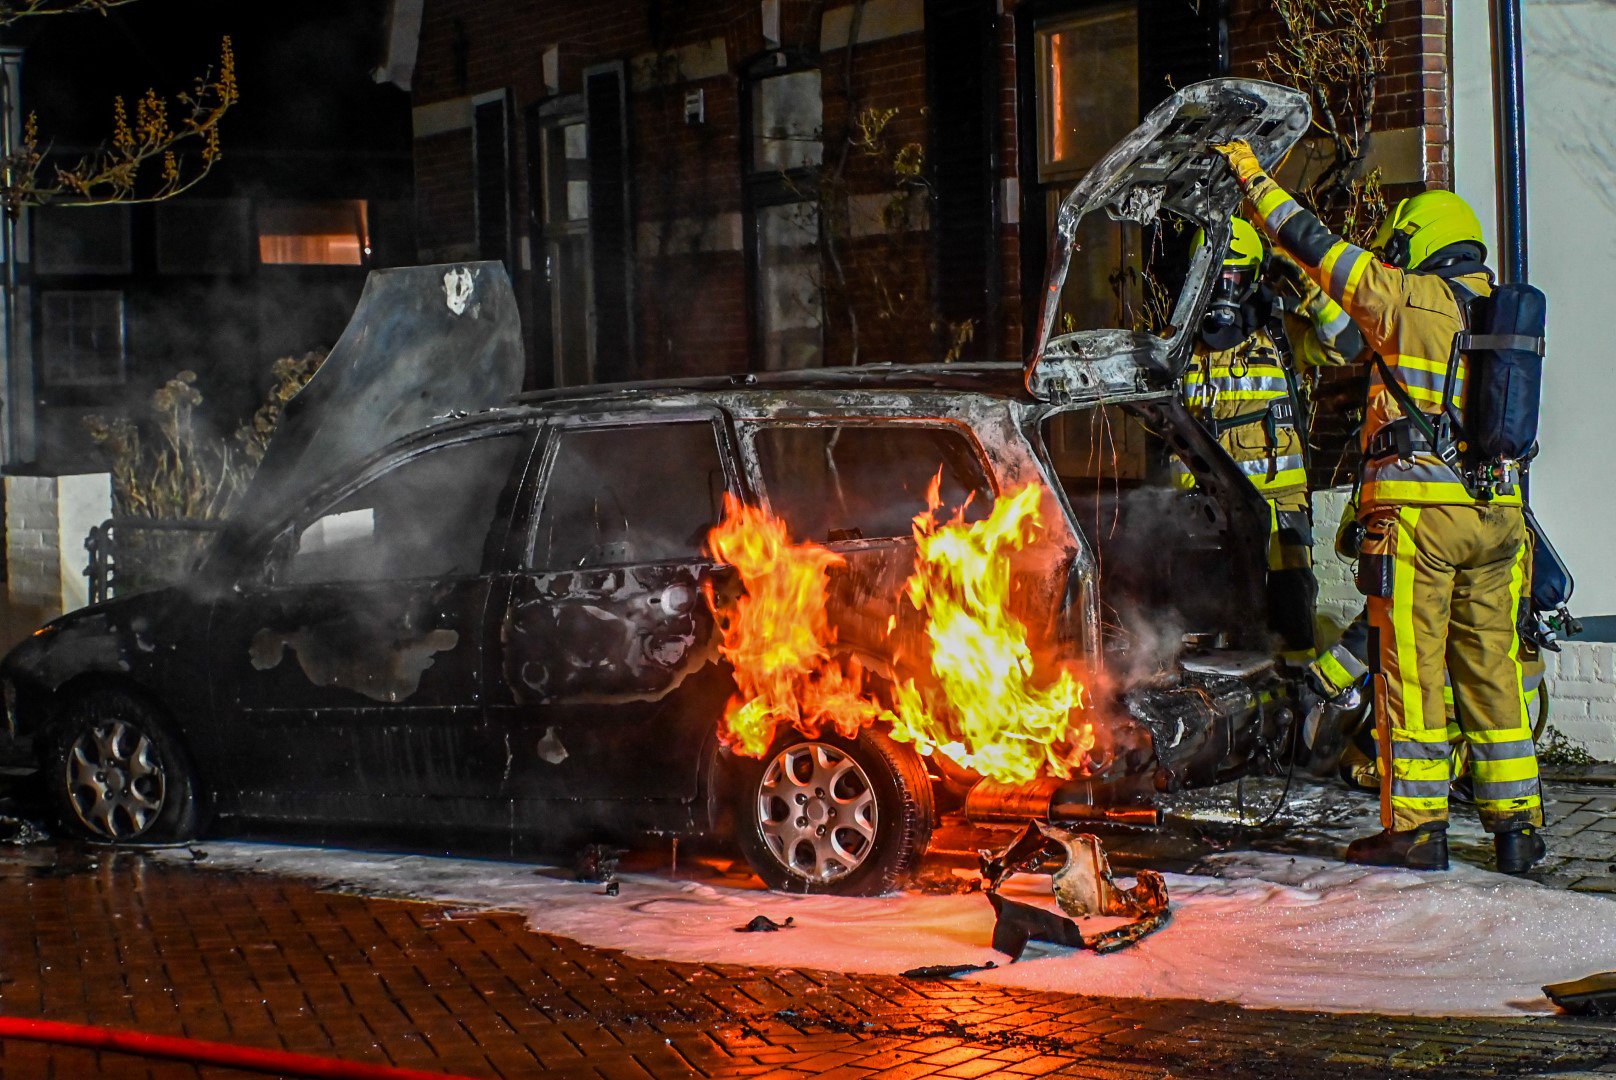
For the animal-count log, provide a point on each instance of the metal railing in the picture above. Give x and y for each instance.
(133, 554)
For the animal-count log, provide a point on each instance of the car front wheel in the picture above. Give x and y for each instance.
(834, 815)
(117, 774)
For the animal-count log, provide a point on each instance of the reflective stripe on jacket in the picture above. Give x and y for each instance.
(1409, 319)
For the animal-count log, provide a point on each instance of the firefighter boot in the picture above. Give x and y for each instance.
(1424, 848)
(1518, 849)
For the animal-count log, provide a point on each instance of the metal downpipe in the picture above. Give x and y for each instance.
(1510, 113)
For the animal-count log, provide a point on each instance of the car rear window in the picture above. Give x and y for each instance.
(866, 481)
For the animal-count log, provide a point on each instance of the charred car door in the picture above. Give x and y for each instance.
(604, 669)
(349, 656)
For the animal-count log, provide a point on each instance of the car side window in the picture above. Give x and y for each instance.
(639, 493)
(426, 517)
(863, 481)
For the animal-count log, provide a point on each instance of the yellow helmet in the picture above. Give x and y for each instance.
(1424, 224)
(1245, 246)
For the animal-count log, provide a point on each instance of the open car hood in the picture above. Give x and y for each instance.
(424, 342)
(1166, 163)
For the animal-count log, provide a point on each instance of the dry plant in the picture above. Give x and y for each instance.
(169, 466)
(291, 374)
(1334, 51)
(166, 148)
(165, 467)
(12, 10)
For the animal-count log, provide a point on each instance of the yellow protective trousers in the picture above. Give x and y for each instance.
(1444, 586)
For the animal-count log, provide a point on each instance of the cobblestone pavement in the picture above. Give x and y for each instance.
(116, 938)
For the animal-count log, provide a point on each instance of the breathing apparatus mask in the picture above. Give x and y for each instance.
(1228, 319)
(1237, 305)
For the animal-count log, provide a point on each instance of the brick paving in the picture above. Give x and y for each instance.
(118, 939)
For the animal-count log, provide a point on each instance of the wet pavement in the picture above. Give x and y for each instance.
(136, 941)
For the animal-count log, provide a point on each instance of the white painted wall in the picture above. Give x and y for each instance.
(1571, 217)
(47, 521)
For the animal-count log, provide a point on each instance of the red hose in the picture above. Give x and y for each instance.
(198, 1051)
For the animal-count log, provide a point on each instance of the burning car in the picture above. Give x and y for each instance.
(817, 610)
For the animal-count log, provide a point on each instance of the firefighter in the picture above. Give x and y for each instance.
(1241, 386)
(1443, 564)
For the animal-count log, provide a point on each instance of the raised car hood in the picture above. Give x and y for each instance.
(1166, 163)
(424, 342)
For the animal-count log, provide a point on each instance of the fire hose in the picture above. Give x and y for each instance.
(200, 1052)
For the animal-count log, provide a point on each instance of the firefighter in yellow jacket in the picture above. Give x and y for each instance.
(1444, 556)
(1241, 386)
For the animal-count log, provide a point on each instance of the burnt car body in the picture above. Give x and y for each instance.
(496, 620)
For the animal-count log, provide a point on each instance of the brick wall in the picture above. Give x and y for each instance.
(1413, 92)
(1582, 696)
(691, 298)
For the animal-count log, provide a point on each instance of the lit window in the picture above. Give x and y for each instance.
(314, 234)
(1088, 88)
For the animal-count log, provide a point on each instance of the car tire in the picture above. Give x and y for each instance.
(805, 826)
(115, 773)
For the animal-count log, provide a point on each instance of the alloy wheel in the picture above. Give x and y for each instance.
(115, 780)
(817, 811)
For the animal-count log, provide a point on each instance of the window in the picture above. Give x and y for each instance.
(1088, 89)
(427, 517)
(81, 240)
(1087, 93)
(789, 304)
(862, 481)
(314, 233)
(564, 221)
(203, 236)
(785, 137)
(787, 121)
(82, 339)
(622, 495)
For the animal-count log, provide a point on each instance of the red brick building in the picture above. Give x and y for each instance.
(693, 186)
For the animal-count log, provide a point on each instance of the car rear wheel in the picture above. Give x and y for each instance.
(116, 774)
(834, 815)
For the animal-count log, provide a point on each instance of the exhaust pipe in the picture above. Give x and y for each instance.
(991, 802)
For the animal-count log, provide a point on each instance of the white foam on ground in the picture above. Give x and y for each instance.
(1271, 930)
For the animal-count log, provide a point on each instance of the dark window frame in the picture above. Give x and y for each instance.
(1164, 28)
(45, 216)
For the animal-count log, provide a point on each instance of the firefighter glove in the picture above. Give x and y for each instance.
(1241, 160)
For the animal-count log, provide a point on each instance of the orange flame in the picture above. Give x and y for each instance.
(778, 637)
(984, 706)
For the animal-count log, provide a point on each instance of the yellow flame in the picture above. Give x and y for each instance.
(985, 707)
(778, 636)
